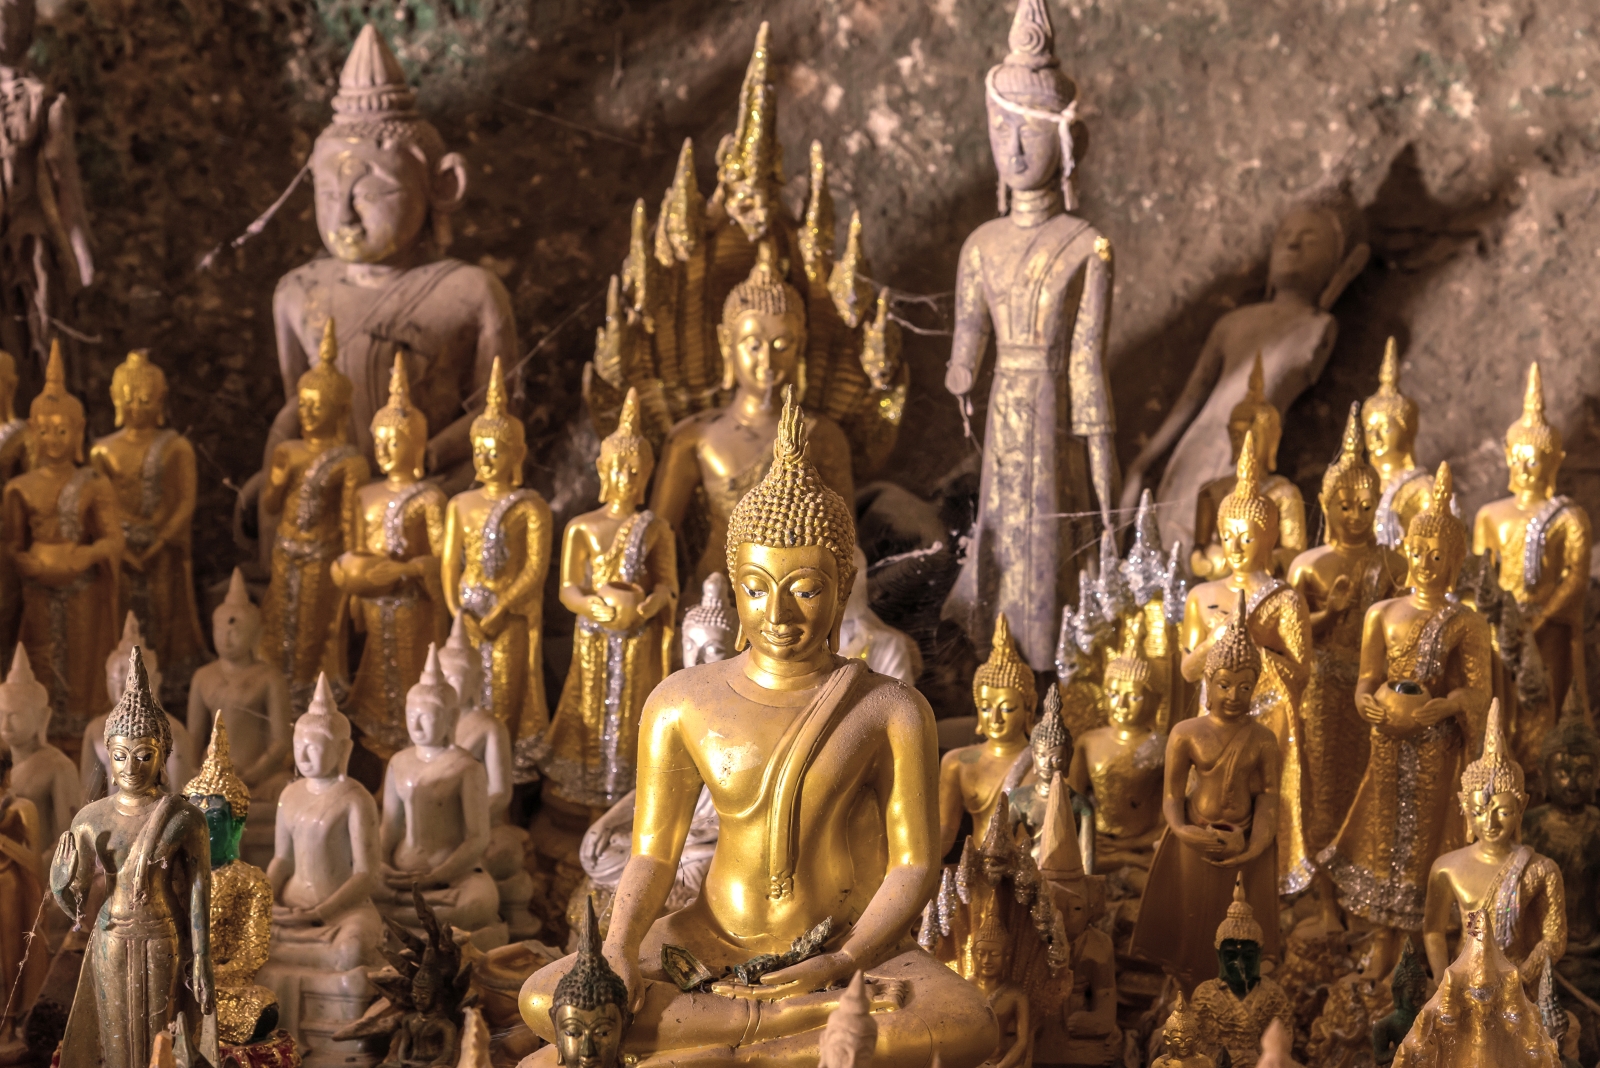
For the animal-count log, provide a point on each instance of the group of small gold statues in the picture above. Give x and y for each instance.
(1236, 799)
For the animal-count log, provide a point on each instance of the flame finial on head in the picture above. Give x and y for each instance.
(1051, 731)
(1005, 666)
(753, 154)
(496, 420)
(1438, 519)
(1235, 650)
(1389, 401)
(590, 983)
(138, 712)
(54, 400)
(1532, 428)
(1240, 924)
(217, 776)
(1350, 468)
(1495, 771)
(1246, 501)
(325, 377)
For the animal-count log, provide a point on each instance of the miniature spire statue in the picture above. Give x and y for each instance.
(151, 469)
(1408, 989)
(619, 576)
(64, 536)
(1182, 1036)
(851, 1034)
(496, 553)
(1541, 541)
(390, 575)
(1049, 383)
(1236, 1008)
(1031, 783)
(40, 773)
(589, 1010)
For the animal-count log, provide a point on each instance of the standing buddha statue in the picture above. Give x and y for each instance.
(152, 472)
(1424, 687)
(1039, 280)
(1541, 540)
(1256, 419)
(63, 533)
(241, 901)
(1339, 581)
(1389, 425)
(1279, 626)
(1567, 830)
(1521, 889)
(619, 576)
(312, 485)
(971, 778)
(390, 573)
(1237, 1006)
(496, 552)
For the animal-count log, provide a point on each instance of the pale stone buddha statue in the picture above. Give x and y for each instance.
(496, 555)
(887, 650)
(241, 901)
(1222, 824)
(1182, 1037)
(1521, 890)
(312, 486)
(787, 718)
(1254, 418)
(1424, 687)
(710, 627)
(619, 576)
(1389, 421)
(94, 763)
(972, 778)
(1317, 251)
(1541, 540)
(324, 870)
(250, 696)
(1479, 1014)
(40, 773)
(390, 576)
(1039, 281)
(63, 533)
(1280, 627)
(151, 468)
(1235, 1008)
(385, 191)
(435, 827)
(1339, 582)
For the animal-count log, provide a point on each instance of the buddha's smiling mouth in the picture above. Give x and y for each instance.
(783, 637)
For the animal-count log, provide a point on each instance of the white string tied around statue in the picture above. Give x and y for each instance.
(1063, 121)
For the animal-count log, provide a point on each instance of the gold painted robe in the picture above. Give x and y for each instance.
(241, 929)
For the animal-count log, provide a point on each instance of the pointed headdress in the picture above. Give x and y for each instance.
(28, 690)
(55, 400)
(399, 412)
(1350, 468)
(1438, 519)
(135, 371)
(1246, 501)
(460, 661)
(1051, 731)
(325, 376)
(1005, 666)
(1262, 415)
(1029, 82)
(626, 439)
(138, 712)
(1533, 428)
(1235, 650)
(1494, 772)
(1240, 924)
(374, 101)
(323, 714)
(496, 420)
(753, 154)
(590, 983)
(433, 686)
(1389, 401)
(217, 776)
(1130, 664)
(119, 658)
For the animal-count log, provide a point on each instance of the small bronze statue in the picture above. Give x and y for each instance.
(1409, 985)
(590, 1006)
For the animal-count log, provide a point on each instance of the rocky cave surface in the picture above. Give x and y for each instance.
(1468, 129)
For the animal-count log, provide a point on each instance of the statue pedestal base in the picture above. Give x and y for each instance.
(277, 1050)
(316, 1003)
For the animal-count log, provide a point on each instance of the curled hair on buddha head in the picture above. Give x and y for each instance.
(627, 439)
(1263, 416)
(1573, 735)
(1532, 428)
(55, 400)
(1006, 668)
(1495, 772)
(1130, 664)
(1389, 401)
(791, 506)
(590, 983)
(138, 712)
(1439, 521)
(1246, 502)
(374, 102)
(496, 420)
(1051, 731)
(1350, 469)
(399, 413)
(1240, 923)
(325, 376)
(131, 373)
(1235, 650)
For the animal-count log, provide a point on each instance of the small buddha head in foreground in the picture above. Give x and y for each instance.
(1570, 754)
(1051, 741)
(590, 1006)
(55, 418)
(1493, 794)
(1350, 489)
(400, 430)
(222, 798)
(382, 176)
(1436, 543)
(1238, 944)
(790, 554)
(1247, 520)
(432, 707)
(1003, 689)
(236, 624)
(499, 440)
(1233, 666)
(138, 736)
(626, 459)
(762, 335)
(1319, 248)
(1183, 1030)
(139, 392)
(322, 742)
(1130, 688)
(1389, 417)
(709, 628)
(1533, 445)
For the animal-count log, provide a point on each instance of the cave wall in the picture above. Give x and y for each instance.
(1468, 128)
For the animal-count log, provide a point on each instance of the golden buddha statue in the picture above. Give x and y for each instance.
(496, 552)
(1236, 1007)
(1008, 1001)
(390, 575)
(152, 472)
(1424, 687)
(1521, 890)
(1389, 425)
(1158, 588)
(14, 459)
(1039, 279)
(1339, 581)
(1254, 419)
(1080, 666)
(1225, 823)
(140, 972)
(1120, 766)
(1280, 627)
(312, 486)
(1479, 1014)
(63, 533)
(1541, 540)
(786, 715)
(1182, 1035)
(241, 901)
(971, 778)
(619, 576)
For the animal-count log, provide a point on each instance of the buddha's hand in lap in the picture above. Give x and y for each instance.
(818, 973)
(285, 916)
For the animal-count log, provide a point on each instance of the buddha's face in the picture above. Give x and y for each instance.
(1494, 818)
(1002, 713)
(1049, 759)
(1569, 779)
(1386, 436)
(1074, 914)
(623, 475)
(1351, 511)
(57, 436)
(1244, 420)
(431, 720)
(1130, 702)
(1027, 152)
(1231, 691)
(1305, 252)
(1533, 470)
(705, 645)
(464, 673)
(135, 763)
(20, 719)
(372, 200)
(221, 826)
(588, 1038)
(16, 30)
(141, 404)
(317, 753)
(989, 960)
(1429, 562)
(1180, 1041)
(320, 411)
(495, 460)
(787, 599)
(235, 629)
(1245, 545)
(750, 205)
(397, 453)
(1239, 964)
(764, 350)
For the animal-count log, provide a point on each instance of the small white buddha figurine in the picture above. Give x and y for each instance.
(252, 700)
(709, 628)
(325, 930)
(863, 635)
(94, 766)
(39, 771)
(435, 828)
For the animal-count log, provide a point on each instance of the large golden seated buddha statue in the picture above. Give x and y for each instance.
(824, 778)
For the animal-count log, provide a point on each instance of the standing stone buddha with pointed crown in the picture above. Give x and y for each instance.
(385, 191)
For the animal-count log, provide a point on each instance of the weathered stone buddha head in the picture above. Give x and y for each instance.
(626, 459)
(322, 743)
(750, 161)
(381, 172)
(462, 666)
(1533, 445)
(137, 735)
(1051, 741)
(1003, 689)
(399, 429)
(222, 798)
(17, 19)
(139, 392)
(762, 335)
(499, 440)
(590, 1006)
(236, 623)
(1319, 247)
(1570, 755)
(432, 707)
(1389, 417)
(1350, 490)
(1233, 667)
(1436, 544)
(1247, 520)
(1493, 793)
(1027, 100)
(55, 418)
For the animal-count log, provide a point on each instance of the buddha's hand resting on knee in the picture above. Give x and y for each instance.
(818, 973)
